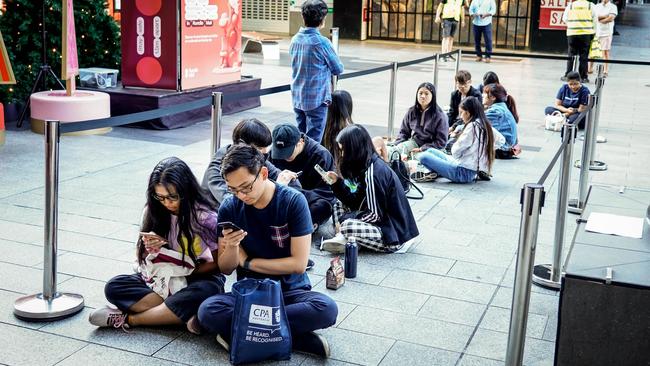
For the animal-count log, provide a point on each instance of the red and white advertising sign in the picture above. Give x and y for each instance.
(210, 42)
(149, 44)
(550, 14)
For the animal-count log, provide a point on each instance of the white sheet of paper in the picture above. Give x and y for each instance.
(631, 227)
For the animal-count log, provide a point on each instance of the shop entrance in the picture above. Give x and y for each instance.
(414, 20)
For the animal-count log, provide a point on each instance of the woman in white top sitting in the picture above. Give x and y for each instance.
(473, 152)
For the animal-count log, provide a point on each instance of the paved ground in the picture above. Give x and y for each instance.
(445, 302)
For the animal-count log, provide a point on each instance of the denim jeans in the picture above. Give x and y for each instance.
(486, 31)
(312, 123)
(443, 164)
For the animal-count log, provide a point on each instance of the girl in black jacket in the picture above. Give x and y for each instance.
(372, 207)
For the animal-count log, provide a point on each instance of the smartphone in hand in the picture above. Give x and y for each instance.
(152, 236)
(228, 225)
(323, 174)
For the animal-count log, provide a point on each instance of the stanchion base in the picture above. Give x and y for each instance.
(542, 277)
(601, 139)
(36, 308)
(573, 207)
(595, 165)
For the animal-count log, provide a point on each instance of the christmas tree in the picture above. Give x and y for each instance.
(98, 42)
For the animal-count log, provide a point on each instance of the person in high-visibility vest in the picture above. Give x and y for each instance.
(450, 12)
(580, 19)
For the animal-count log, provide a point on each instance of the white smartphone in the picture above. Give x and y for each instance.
(323, 174)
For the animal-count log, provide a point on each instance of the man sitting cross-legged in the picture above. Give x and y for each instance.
(274, 243)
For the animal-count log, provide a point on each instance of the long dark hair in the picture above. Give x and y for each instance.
(490, 77)
(431, 88)
(339, 116)
(357, 151)
(501, 95)
(474, 107)
(175, 173)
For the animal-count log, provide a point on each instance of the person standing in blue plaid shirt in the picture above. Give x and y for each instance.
(313, 62)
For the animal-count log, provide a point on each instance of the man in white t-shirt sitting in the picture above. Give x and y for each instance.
(605, 11)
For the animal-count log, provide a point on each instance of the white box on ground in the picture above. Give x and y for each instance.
(98, 77)
(271, 50)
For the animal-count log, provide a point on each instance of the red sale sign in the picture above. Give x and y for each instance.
(550, 14)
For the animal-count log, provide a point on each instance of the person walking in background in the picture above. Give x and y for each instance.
(481, 12)
(606, 12)
(580, 19)
(313, 62)
(450, 12)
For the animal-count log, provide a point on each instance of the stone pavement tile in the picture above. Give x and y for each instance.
(481, 229)
(7, 299)
(89, 225)
(410, 354)
(491, 344)
(468, 360)
(358, 348)
(128, 234)
(344, 310)
(315, 279)
(431, 233)
(91, 290)
(410, 261)
(95, 268)
(408, 328)
(440, 286)
(24, 233)
(541, 304)
(509, 280)
(313, 361)
(477, 272)
(376, 296)
(23, 215)
(366, 272)
(499, 319)
(494, 243)
(20, 253)
(454, 311)
(464, 253)
(94, 354)
(25, 280)
(141, 340)
(550, 332)
(194, 350)
(91, 244)
(22, 346)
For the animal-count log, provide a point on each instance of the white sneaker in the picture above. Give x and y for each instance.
(326, 230)
(223, 342)
(108, 317)
(335, 245)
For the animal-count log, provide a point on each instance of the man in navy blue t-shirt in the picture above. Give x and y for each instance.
(274, 243)
(571, 99)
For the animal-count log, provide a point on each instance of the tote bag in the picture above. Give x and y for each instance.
(260, 330)
(594, 50)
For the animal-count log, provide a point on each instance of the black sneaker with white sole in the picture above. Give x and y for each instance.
(311, 343)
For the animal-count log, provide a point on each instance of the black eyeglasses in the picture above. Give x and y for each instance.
(247, 188)
(171, 197)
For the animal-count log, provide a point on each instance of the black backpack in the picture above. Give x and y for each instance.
(402, 172)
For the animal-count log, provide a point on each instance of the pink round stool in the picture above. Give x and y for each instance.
(57, 106)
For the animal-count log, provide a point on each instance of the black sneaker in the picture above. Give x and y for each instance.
(310, 265)
(311, 343)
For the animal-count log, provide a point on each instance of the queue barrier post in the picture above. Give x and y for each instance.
(391, 101)
(548, 275)
(532, 201)
(460, 54)
(576, 62)
(217, 111)
(577, 205)
(334, 35)
(50, 304)
(600, 82)
(436, 63)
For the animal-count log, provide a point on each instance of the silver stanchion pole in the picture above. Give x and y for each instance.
(532, 201)
(334, 35)
(217, 98)
(50, 304)
(595, 164)
(576, 62)
(548, 275)
(460, 54)
(436, 62)
(577, 205)
(391, 101)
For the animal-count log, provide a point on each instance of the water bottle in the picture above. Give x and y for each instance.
(351, 253)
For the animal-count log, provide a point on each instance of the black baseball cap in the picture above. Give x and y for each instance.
(285, 138)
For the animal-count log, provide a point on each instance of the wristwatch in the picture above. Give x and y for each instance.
(247, 263)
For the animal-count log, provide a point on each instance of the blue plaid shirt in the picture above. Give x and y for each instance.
(313, 62)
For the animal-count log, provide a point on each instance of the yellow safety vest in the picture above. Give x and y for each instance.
(452, 9)
(580, 18)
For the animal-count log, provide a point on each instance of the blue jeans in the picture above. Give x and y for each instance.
(306, 311)
(441, 163)
(486, 31)
(312, 123)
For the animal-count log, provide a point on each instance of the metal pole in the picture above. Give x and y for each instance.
(334, 34)
(49, 304)
(217, 98)
(436, 62)
(460, 54)
(595, 164)
(548, 275)
(577, 205)
(576, 61)
(391, 100)
(532, 201)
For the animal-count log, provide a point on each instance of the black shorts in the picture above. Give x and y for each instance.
(124, 291)
(449, 27)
